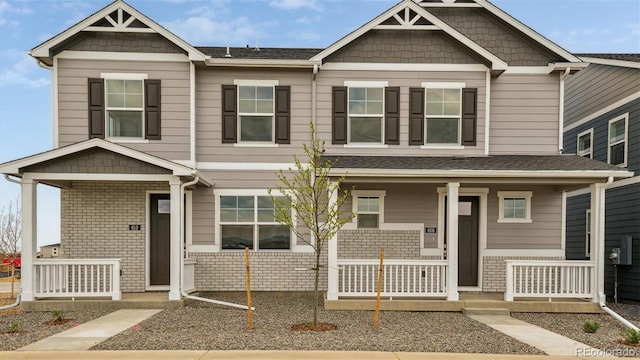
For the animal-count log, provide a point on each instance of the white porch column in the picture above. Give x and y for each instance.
(174, 280)
(597, 239)
(332, 254)
(452, 240)
(29, 211)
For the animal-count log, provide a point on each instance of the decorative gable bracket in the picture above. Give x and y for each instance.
(119, 20)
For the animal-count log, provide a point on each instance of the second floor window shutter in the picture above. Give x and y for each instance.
(152, 109)
(392, 116)
(283, 115)
(96, 108)
(339, 115)
(469, 116)
(416, 116)
(229, 114)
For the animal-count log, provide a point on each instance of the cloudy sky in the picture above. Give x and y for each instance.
(580, 26)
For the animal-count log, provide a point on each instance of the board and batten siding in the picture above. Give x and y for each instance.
(209, 146)
(524, 114)
(405, 80)
(72, 102)
(595, 88)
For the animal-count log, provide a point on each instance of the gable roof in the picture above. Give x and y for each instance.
(136, 22)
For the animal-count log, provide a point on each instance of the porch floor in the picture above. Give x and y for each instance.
(468, 300)
(146, 300)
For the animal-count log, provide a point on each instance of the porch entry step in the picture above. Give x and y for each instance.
(485, 311)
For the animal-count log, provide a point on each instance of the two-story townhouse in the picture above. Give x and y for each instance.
(602, 122)
(444, 117)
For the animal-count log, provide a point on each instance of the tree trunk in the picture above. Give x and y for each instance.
(315, 289)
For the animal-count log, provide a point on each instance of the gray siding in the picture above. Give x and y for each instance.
(72, 102)
(524, 114)
(596, 87)
(576, 226)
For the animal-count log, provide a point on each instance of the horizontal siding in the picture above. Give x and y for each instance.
(72, 102)
(524, 114)
(597, 87)
(576, 226)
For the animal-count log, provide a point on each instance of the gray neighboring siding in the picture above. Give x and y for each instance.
(208, 114)
(595, 88)
(406, 46)
(496, 36)
(119, 42)
(576, 226)
(524, 114)
(203, 217)
(72, 102)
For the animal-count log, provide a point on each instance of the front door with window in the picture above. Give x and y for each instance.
(159, 239)
(468, 240)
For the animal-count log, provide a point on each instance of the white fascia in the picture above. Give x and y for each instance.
(579, 174)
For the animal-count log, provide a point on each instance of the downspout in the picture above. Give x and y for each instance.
(564, 75)
(195, 180)
(602, 302)
(6, 176)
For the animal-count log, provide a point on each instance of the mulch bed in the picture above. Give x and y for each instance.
(322, 326)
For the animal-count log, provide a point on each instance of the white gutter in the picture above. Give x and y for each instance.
(6, 176)
(564, 75)
(434, 173)
(195, 180)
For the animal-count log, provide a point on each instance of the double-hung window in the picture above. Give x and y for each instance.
(125, 108)
(256, 113)
(514, 206)
(617, 145)
(249, 221)
(368, 205)
(366, 113)
(443, 113)
(585, 144)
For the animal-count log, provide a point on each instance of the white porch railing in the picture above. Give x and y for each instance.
(77, 278)
(400, 278)
(547, 279)
(188, 276)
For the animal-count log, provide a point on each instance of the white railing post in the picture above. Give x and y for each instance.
(508, 294)
(452, 240)
(115, 281)
(332, 255)
(77, 278)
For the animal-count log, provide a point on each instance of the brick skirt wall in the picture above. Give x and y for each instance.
(494, 270)
(366, 244)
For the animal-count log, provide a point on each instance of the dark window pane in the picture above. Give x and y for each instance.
(125, 123)
(617, 154)
(272, 237)
(442, 131)
(366, 130)
(256, 128)
(368, 221)
(237, 236)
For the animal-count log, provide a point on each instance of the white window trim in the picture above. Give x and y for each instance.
(123, 76)
(248, 192)
(590, 152)
(368, 85)
(587, 240)
(624, 117)
(443, 85)
(355, 194)
(246, 82)
(527, 195)
(256, 83)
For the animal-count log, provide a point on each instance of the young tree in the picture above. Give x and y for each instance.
(305, 189)
(11, 234)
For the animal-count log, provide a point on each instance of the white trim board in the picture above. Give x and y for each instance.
(603, 111)
(121, 56)
(616, 184)
(612, 62)
(404, 67)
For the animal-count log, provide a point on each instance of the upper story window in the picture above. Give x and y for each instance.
(585, 144)
(443, 110)
(125, 108)
(514, 206)
(366, 111)
(256, 113)
(368, 205)
(618, 144)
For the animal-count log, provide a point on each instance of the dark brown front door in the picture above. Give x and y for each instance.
(468, 240)
(159, 239)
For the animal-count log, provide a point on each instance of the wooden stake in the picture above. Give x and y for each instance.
(380, 269)
(246, 260)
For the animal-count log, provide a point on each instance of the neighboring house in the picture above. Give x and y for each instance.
(602, 122)
(444, 116)
(50, 251)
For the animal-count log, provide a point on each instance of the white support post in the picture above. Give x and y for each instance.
(174, 280)
(332, 253)
(597, 240)
(453, 190)
(29, 211)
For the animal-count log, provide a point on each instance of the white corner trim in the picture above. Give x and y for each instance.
(54, 103)
(487, 112)
(247, 82)
(340, 66)
(124, 76)
(443, 85)
(603, 111)
(366, 84)
(120, 56)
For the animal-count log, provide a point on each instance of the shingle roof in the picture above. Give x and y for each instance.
(496, 162)
(623, 57)
(263, 53)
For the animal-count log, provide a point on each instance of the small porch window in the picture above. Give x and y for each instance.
(617, 149)
(585, 144)
(514, 206)
(368, 207)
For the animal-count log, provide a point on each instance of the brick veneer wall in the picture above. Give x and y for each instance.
(95, 218)
(366, 244)
(494, 270)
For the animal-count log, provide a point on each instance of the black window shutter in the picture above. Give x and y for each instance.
(96, 108)
(152, 101)
(339, 111)
(469, 116)
(392, 116)
(416, 116)
(283, 114)
(229, 114)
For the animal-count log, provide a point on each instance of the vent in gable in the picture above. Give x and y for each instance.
(120, 19)
(407, 19)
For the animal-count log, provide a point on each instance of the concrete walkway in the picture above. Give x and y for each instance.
(84, 336)
(545, 340)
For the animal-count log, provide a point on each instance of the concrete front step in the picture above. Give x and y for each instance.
(485, 311)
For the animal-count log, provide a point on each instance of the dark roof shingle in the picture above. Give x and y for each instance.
(219, 52)
(623, 57)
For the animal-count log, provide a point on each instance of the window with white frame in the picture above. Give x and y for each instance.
(587, 238)
(125, 107)
(617, 146)
(368, 205)
(249, 221)
(585, 144)
(366, 114)
(256, 113)
(514, 206)
(443, 113)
